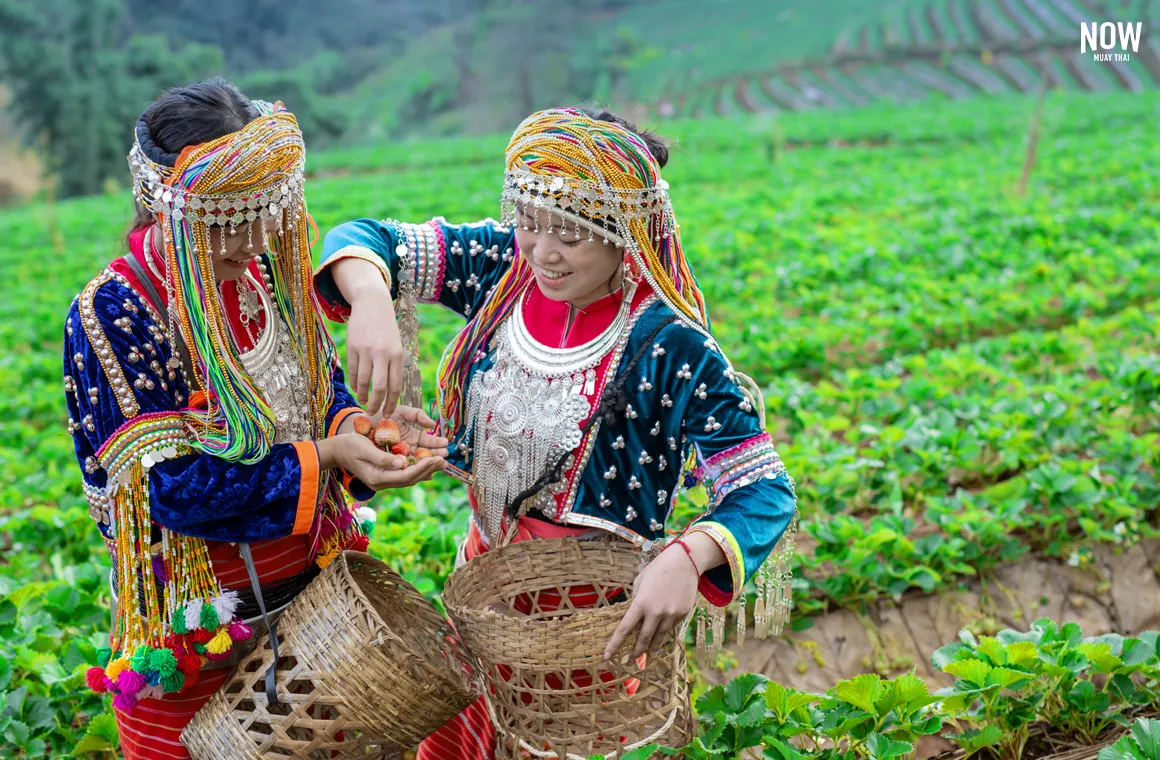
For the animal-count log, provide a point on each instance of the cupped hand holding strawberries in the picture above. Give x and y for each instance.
(385, 453)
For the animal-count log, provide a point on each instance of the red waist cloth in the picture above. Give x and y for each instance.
(470, 735)
(153, 731)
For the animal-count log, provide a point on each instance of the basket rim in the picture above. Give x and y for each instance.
(616, 610)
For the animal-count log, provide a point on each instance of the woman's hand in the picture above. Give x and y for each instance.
(663, 594)
(374, 348)
(377, 469)
(412, 423)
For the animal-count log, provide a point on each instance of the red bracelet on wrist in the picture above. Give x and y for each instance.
(690, 553)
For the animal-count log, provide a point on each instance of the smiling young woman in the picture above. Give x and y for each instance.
(581, 295)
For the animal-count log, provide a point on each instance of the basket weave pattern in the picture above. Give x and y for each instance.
(349, 685)
(537, 615)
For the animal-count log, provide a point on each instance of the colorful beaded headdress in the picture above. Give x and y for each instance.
(595, 175)
(173, 614)
(244, 177)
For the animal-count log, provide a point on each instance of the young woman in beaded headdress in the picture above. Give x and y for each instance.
(209, 415)
(585, 273)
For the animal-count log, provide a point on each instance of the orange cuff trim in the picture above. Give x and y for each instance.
(340, 417)
(308, 492)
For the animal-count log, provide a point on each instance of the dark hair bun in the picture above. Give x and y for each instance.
(656, 146)
(195, 114)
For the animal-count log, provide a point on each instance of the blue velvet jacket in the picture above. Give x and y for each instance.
(116, 377)
(683, 404)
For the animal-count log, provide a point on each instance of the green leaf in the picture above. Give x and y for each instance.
(977, 738)
(861, 691)
(93, 743)
(1100, 655)
(1022, 653)
(783, 701)
(17, 733)
(641, 753)
(104, 725)
(946, 654)
(741, 689)
(907, 694)
(883, 748)
(5, 673)
(776, 749)
(1146, 733)
(1007, 678)
(35, 748)
(972, 671)
(1137, 652)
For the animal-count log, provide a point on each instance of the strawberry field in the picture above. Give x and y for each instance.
(963, 379)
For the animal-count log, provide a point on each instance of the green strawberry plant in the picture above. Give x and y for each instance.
(1141, 743)
(1079, 686)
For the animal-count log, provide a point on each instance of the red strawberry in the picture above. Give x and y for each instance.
(401, 449)
(387, 434)
(362, 425)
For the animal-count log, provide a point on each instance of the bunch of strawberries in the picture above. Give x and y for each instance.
(387, 436)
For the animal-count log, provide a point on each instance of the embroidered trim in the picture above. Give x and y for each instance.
(566, 515)
(723, 537)
(100, 507)
(104, 352)
(148, 437)
(739, 466)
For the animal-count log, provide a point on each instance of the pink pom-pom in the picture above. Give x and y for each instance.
(217, 657)
(130, 682)
(95, 678)
(326, 529)
(239, 631)
(124, 702)
(344, 519)
(109, 685)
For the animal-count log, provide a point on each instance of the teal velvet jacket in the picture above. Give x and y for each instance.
(682, 406)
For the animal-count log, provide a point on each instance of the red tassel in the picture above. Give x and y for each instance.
(189, 663)
(360, 543)
(192, 677)
(95, 678)
(202, 636)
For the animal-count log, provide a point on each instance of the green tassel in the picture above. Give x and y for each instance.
(178, 623)
(367, 527)
(140, 659)
(199, 648)
(163, 661)
(209, 618)
(173, 682)
(104, 655)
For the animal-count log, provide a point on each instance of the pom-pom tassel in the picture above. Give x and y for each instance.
(201, 636)
(189, 663)
(104, 655)
(239, 631)
(225, 605)
(95, 678)
(360, 543)
(365, 515)
(193, 614)
(177, 625)
(220, 643)
(209, 617)
(130, 682)
(116, 667)
(163, 662)
(155, 691)
(124, 702)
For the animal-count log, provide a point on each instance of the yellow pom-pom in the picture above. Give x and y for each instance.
(326, 559)
(220, 644)
(117, 667)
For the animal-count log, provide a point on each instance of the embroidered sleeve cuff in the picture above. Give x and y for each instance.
(711, 583)
(423, 263)
(336, 308)
(308, 491)
(339, 417)
(739, 466)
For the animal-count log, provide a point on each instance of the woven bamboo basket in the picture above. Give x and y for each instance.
(525, 612)
(367, 668)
